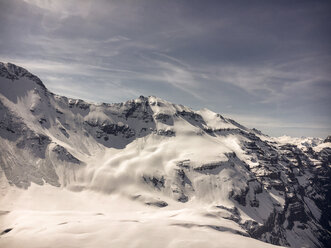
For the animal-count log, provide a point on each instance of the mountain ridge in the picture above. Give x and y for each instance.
(155, 152)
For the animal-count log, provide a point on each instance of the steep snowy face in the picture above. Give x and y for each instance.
(14, 72)
(160, 154)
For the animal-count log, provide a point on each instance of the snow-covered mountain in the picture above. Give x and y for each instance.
(147, 173)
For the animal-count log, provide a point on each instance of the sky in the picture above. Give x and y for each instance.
(266, 64)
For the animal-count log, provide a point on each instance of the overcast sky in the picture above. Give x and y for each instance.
(267, 64)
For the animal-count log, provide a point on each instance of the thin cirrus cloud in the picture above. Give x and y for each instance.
(265, 63)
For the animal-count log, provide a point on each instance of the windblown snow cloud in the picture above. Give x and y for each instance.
(267, 60)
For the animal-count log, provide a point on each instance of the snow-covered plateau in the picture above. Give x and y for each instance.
(149, 173)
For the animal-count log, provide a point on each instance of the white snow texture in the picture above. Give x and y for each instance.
(149, 173)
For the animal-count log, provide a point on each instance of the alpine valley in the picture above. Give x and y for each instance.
(150, 173)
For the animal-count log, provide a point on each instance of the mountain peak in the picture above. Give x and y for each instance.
(154, 153)
(14, 72)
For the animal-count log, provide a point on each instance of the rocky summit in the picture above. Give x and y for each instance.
(181, 171)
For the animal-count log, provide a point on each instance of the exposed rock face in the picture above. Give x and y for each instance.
(164, 118)
(279, 192)
(293, 175)
(168, 133)
(192, 117)
(327, 139)
(155, 182)
(64, 155)
(160, 204)
(105, 130)
(14, 72)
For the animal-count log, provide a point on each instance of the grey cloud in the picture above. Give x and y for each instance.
(259, 58)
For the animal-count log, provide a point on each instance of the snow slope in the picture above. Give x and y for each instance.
(148, 173)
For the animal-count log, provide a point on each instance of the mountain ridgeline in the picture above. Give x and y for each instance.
(150, 150)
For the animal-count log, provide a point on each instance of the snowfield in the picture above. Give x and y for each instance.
(149, 173)
(44, 216)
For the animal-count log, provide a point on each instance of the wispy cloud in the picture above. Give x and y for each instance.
(175, 73)
(64, 8)
(246, 58)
